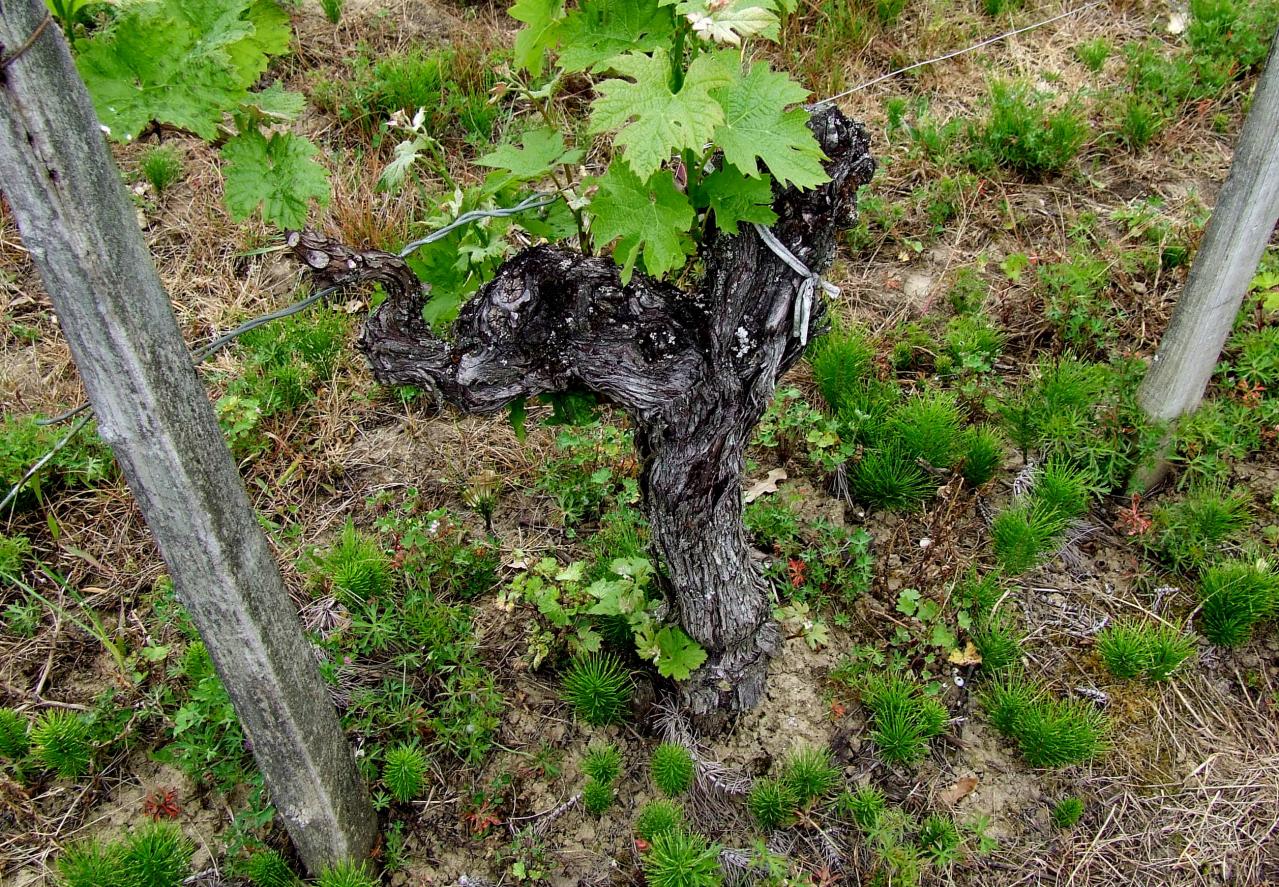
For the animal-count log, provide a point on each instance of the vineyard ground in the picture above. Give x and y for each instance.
(1187, 790)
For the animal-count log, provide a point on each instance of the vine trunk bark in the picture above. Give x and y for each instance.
(694, 370)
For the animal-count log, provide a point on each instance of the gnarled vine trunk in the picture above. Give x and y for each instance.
(695, 371)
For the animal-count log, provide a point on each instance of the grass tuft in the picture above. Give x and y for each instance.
(904, 718)
(156, 854)
(811, 775)
(1022, 134)
(657, 817)
(346, 874)
(60, 741)
(597, 797)
(1236, 595)
(1049, 732)
(889, 478)
(772, 804)
(672, 769)
(1067, 812)
(1189, 534)
(404, 771)
(598, 688)
(91, 863)
(680, 858)
(602, 763)
(842, 361)
(267, 868)
(863, 807)
(162, 167)
(983, 453)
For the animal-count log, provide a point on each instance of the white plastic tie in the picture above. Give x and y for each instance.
(802, 312)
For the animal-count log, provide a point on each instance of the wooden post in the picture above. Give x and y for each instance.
(1241, 225)
(82, 233)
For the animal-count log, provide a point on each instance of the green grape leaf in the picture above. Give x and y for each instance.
(734, 198)
(542, 150)
(650, 120)
(729, 22)
(541, 20)
(757, 125)
(600, 30)
(678, 655)
(180, 62)
(653, 217)
(277, 174)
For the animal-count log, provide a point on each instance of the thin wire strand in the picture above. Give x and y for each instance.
(44, 460)
(950, 55)
(536, 200)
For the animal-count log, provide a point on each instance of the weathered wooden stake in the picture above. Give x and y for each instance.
(81, 230)
(1241, 225)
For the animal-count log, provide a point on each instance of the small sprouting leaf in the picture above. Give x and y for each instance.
(276, 102)
(652, 121)
(678, 655)
(908, 602)
(542, 150)
(600, 30)
(277, 174)
(518, 414)
(728, 22)
(758, 126)
(541, 20)
(653, 217)
(734, 198)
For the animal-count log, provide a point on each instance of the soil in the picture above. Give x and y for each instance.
(1187, 791)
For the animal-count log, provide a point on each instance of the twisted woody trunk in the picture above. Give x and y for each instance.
(694, 371)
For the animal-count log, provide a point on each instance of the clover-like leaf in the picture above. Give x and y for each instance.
(652, 217)
(678, 655)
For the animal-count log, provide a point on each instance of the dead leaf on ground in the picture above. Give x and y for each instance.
(765, 486)
(966, 656)
(957, 792)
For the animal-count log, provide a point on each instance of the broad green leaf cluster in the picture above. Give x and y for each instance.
(698, 134)
(190, 65)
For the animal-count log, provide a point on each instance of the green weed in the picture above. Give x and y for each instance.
(60, 741)
(84, 462)
(903, 718)
(998, 645)
(346, 874)
(267, 868)
(972, 343)
(451, 83)
(332, 9)
(286, 361)
(91, 863)
(1189, 533)
(1067, 812)
(928, 427)
(889, 478)
(1049, 732)
(156, 854)
(598, 688)
(810, 773)
(672, 769)
(597, 797)
(162, 167)
(1236, 596)
(679, 858)
(772, 804)
(404, 769)
(1139, 121)
(1093, 53)
(658, 816)
(602, 763)
(15, 740)
(842, 361)
(1023, 534)
(1022, 134)
(983, 454)
(863, 807)
(1136, 649)
(939, 840)
(1076, 304)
